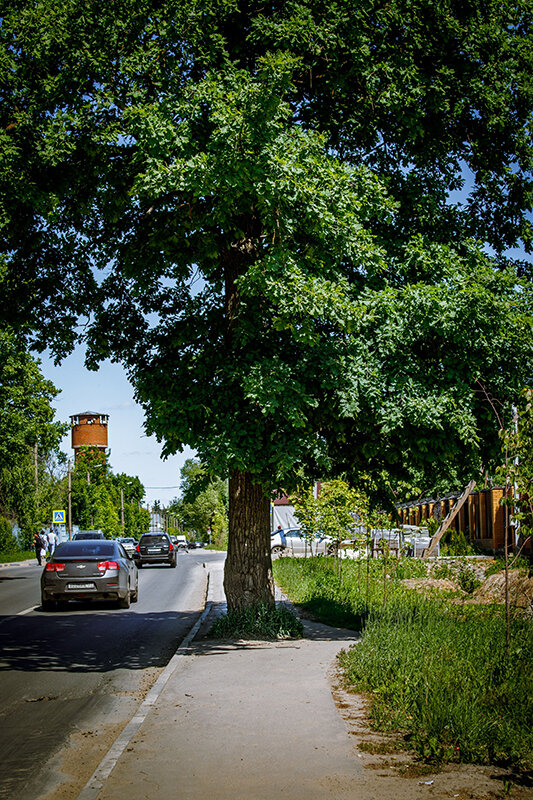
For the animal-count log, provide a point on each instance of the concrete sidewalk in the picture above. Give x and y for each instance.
(246, 721)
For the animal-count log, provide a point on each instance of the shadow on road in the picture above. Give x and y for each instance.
(91, 642)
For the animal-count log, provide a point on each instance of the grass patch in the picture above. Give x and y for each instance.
(18, 555)
(258, 622)
(437, 672)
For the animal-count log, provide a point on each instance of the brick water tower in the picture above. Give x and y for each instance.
(89, 429)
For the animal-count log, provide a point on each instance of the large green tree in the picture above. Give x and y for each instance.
(256, 207)
(29, 434)
(97, 501)
(202, 506)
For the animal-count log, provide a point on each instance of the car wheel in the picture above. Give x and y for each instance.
(174, 563)
(135, 594)
(47, 605)
(277, 549)
(124, 602)
(139, 564)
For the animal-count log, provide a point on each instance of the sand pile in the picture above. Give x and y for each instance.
(492, 590)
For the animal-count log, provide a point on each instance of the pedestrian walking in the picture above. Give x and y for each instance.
(44, 545)
(282, 536)
(38, 545)
(52, 542)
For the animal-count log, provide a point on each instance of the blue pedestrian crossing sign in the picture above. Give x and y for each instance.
(59, 517)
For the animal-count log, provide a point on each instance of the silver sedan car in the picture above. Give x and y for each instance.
(292, 541)
(91, 569)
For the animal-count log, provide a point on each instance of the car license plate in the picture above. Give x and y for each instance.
(154, 550)
(80, 586)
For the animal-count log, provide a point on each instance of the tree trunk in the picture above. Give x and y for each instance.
(248, 570)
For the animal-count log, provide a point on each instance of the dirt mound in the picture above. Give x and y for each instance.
(492, 590)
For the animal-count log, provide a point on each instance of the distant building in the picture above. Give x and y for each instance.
(282, 511)
(89, 429)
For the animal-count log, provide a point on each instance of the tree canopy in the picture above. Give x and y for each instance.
(202, 506)
(96, 497)
(29, 433)
(277, 217)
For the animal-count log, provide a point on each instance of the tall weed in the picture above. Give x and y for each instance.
(436, 671)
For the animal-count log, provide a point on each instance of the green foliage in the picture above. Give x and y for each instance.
(258, 622)
(202, 505)
(442, 678)
(106, 515)
(455, 543)
(258, 204)
(16, 555)
(331, 513)
(96, 497)
(8, 542)
(286, 157)
(26, 421)
(517, 469)
(467, 580)
(436, 672)
(519, 562)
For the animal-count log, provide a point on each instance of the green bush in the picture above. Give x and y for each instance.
(466, 578)
(258, 622)
(455, 543)
(8, 542)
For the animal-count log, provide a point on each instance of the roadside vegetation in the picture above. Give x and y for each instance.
(202, 508)
(435, 666)
(16, 555)
(258, 622)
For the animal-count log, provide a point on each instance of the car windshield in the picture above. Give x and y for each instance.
(84, 548)
(155, 539)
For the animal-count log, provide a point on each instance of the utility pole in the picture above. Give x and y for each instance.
(69, 503)
(122, 508)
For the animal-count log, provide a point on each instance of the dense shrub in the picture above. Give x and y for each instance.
(8, 542)
(455, 543)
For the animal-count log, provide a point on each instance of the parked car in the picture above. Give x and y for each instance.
(128, 543)
(155, 548)
(293, 541)
(80, 535)
(89, 569)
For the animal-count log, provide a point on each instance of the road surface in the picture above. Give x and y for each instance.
(71, 679)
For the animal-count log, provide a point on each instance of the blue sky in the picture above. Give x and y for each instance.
(109, 392)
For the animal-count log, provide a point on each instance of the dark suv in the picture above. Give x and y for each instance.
(155, 548)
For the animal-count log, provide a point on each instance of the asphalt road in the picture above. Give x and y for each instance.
(71, 679)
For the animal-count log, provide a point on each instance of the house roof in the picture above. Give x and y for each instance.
(89, 414)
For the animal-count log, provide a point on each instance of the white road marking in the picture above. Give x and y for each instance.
(26, 611)
(18, 614)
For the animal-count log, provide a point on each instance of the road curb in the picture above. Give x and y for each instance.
(19, 563)
(94, 785)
